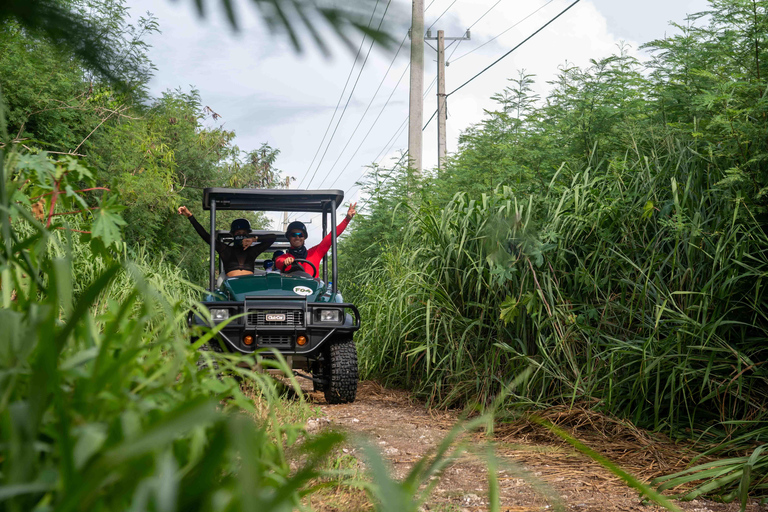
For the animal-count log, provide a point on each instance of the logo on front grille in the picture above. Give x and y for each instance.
(274, 317)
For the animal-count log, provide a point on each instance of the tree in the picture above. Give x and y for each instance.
(710, 83)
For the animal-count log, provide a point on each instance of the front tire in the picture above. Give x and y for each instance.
(341, 372)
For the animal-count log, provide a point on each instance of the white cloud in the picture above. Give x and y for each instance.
(579, 35)
(267, 93)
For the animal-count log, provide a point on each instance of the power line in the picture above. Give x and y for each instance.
(385, 151)
(493, 63)
(369, 105)
(391, 146)
(429, 120)
(392, 140)
(388, 146)
(445, 11)
(345, 88)
(434, 81)
(381, 21)
(394, 89)
(397, 135)
(448, 60)
(483, 16)
(454, 50)
(372, 125)
(354, 86)
(384, 181)
(397, 132)
(367, 108)
(515, 48)
(505, 31)
(341, 96)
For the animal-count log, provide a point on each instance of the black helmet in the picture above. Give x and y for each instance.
(293, 226)
(240, 224)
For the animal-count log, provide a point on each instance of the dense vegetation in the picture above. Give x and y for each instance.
(104, 404)
(604, 245)
(155, 153)
(608, 246)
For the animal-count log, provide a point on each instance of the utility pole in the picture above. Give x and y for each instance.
(285, 214)
(416, 100)
(442, 111)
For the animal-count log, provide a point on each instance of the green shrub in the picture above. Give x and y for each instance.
(637, 287)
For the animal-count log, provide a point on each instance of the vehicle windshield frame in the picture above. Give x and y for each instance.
(324, 202)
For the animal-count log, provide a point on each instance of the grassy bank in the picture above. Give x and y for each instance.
(636, 286)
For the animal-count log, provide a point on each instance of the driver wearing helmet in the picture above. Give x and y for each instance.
(296, 235)
(240, 257)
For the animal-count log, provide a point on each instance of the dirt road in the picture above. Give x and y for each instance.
(536, 469)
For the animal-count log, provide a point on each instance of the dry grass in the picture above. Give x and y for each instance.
(340, 498)
(645, 454)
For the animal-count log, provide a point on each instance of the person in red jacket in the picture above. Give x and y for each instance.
(296, 235)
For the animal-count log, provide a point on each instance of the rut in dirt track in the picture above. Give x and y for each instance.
(535, 471)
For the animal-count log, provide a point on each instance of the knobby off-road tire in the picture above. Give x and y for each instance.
(341, 372)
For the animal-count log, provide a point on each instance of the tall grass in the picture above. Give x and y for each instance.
(635, 285)
(103, 406)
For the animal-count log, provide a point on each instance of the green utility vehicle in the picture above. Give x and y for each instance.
(302, 317)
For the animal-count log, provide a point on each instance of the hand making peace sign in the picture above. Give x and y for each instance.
(352, 211)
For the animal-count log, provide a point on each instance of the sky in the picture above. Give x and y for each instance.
(267, 93)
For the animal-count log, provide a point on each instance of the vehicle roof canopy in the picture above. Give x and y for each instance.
(276, 200)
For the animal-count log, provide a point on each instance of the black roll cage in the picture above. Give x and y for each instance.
(324, 202)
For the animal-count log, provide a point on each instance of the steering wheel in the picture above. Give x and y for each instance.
(299, 260)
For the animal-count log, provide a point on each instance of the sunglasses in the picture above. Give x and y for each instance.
(296, 235)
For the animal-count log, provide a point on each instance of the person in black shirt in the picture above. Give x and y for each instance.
(239, 258)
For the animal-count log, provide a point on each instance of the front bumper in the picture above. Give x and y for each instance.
(278, 324)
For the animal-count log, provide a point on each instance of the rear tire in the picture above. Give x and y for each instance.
(341, 372)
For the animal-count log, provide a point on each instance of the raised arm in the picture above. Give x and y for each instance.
(183, 210)
(325, 244)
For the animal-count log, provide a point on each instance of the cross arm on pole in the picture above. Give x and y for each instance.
(465, 37)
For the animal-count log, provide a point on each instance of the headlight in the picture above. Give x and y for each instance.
(219, 315)
(330, 315)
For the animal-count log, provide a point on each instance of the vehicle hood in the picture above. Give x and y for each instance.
(273, 284)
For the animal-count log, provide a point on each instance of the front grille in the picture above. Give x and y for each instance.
(275, 340)
(293, 317)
